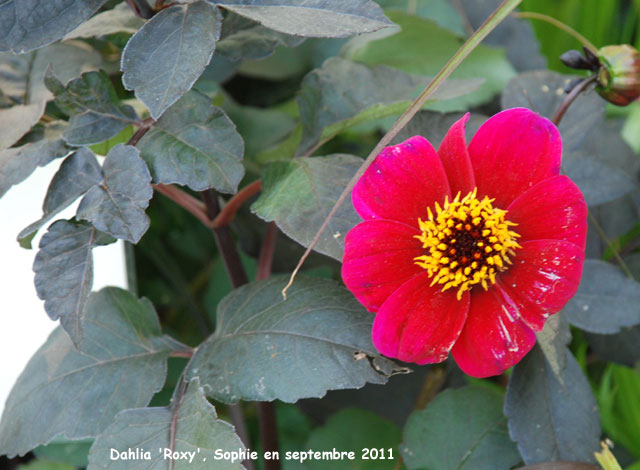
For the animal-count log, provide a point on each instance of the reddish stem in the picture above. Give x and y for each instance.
(265, 261)
(185, 200)
(186, 354)
(266, 410)
(228, 212)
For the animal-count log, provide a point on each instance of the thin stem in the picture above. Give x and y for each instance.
(228, 212)
(268, 433)
(506, 7)
(570, 98)
(225, 242)
(558, 24)
(265, 261)
(557, 117)
(145, 125)
(185, 200)
(266, 410)
(238, 276)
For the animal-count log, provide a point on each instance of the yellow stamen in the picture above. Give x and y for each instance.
(468, 242)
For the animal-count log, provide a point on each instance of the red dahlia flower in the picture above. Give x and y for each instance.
(467, 250)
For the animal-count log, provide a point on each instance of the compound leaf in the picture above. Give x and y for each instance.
(77, 392)
(76, 175)
(117, 205)
(92, 103)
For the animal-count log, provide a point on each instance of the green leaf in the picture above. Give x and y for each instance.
(551, 417)
(342, 94)
(354, 430)
(461, 429)
(265, 347)
(92, 103)
(423, 48)
(620, 408)
(17, 163)
(64, 273)
(299, 194)
(76, 393)
(117, 205)
(194, 144)
(31, 24)
(606, 301)
(16, 121)
(198, 432)
(162, 61)
(77, 174)
(120, 19)
(312, 18)
(595, 157)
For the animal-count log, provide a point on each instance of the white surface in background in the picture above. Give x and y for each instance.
(24, 325)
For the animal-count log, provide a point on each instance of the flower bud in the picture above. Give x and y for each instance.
(619, 75)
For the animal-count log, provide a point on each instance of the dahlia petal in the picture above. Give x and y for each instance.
(493, 338)
(401, 183)
(455, 159)
(553, 209)
(419, 323)
(511, 152)
(544, 276)
(378, 259)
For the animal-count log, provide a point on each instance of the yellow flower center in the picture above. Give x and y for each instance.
(468, 242)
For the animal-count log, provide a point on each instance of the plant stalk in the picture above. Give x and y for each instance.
(560, 25)
(266, 410)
